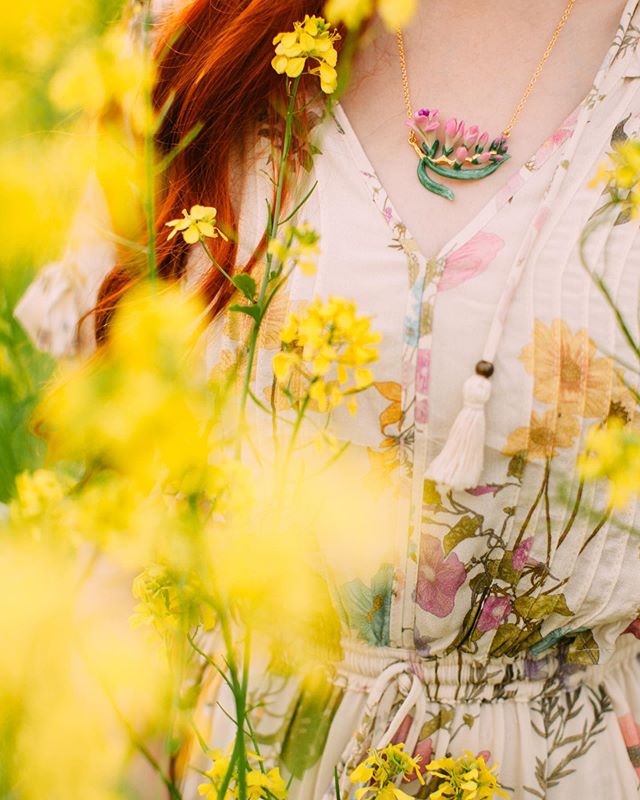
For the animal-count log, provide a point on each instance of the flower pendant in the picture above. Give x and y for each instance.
(452, 151)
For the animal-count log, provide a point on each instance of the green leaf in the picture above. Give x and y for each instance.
(516, 466)
(583, 650)
(541, 607)
(506, 572)
(307, 732)
(246, 284)
(504, 637)
(465, 528)
(480, 583)
(441, 720)
(430, 494)
(251, 311)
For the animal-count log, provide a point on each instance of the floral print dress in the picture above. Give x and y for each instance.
(502, 619)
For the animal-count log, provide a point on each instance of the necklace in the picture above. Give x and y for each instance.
(448, 148)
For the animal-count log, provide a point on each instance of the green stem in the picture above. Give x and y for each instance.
(271, 234)
(214, 262)
(149, 159)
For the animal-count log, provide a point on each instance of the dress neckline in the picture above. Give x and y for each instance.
(556, 141)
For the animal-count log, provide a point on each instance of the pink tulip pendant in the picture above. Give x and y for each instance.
(448, 150)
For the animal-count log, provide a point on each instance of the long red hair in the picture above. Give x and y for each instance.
(213, 59)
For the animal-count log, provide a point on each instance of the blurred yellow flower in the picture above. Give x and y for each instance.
(612, 451)
(622, 175)
(196, 224)
(395, 13)
(310, 39)
(464, 778)
(109, 73)
(300, 245)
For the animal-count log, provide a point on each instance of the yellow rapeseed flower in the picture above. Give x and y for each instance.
(298, 244)
(381, 769)
(622, 175)
(464, 778)
(613, 452)
(325, 336)
(310, 39)
(197, 224)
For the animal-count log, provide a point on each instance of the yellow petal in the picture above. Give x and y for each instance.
(295, 67)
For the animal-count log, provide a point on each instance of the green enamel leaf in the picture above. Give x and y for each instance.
(465, 528)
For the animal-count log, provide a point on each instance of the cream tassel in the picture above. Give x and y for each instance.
(461, 460)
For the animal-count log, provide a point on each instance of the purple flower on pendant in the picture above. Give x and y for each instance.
(439, 578)
(494, 612)
(426, 123)
(521, 554)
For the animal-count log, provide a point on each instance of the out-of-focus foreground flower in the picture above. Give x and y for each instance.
(395, 13)
(613, 452)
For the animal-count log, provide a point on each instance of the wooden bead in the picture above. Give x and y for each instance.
(484, 368)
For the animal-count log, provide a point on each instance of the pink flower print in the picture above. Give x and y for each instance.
(403, 730)
(439, 578)
(630, 734)
(423, 373)
(494, 612)
(486, 755)
(424, 749)
(634, 628)
(521, 554)
(470, 260)
(556, 140)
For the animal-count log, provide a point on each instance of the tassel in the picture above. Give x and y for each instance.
(461, 460)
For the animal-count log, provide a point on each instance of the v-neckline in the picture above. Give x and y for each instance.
(508, 189)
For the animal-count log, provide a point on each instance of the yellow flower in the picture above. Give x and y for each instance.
(613, 452)
(300, 245)
(464, 778)
(544, 435)
(622, 175)
(310, 39)
(196, 224)
(567, 371)
(395, 13)
(381, 769)
(326, 336)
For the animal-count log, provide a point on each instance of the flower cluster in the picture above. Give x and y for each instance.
(464, 778)
(622, 175)
(395, 13)
(453, 142)
(300, 245)
(197, 224)
(261, 784)
(311, 39)
(379, 772)
(170, 601)
(328, 335)
(613, 452)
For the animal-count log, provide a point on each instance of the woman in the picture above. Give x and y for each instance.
(498, 623)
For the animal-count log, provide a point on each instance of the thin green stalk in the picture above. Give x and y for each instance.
(271, 234)
(149, 159)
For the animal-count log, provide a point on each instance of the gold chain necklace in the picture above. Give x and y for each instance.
(449, 148)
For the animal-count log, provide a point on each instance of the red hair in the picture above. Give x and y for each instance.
(213, 60)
